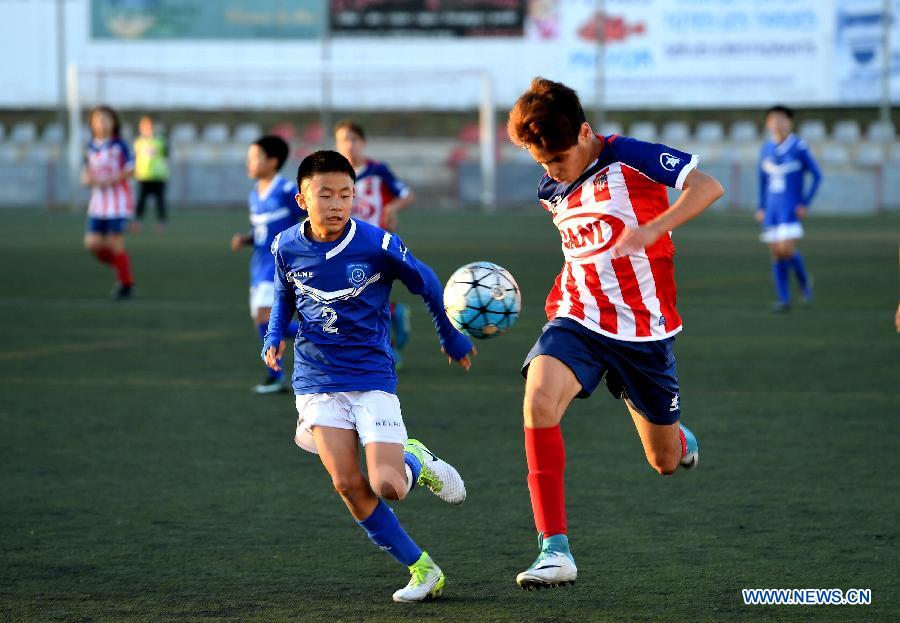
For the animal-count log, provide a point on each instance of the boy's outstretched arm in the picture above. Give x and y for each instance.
(763, 194)
(699, 192)
(810, 165)
(282, 312)
(241, 240)
(421, 280)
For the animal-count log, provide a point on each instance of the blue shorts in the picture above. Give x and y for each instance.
(641, 372)
(107, 225)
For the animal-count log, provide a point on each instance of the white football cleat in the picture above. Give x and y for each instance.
(427, 581)
(549, 570)
(439, 476)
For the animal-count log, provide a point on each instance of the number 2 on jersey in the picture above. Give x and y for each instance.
(329, 313)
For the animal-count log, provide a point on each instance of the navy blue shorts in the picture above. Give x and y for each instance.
(107, 225)
(641, 372)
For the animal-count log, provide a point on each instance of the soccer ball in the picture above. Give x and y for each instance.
(482, 299)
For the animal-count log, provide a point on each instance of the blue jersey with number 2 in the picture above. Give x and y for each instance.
(340, 291)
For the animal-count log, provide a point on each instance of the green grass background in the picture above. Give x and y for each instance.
(141, 480)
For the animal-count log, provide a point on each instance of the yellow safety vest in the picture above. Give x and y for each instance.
(150, 159)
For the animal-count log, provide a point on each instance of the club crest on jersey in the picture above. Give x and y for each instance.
(601, 187)
(357, 274)
(668, 161)
(554, 204)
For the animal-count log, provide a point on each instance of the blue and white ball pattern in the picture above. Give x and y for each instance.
(482, 300)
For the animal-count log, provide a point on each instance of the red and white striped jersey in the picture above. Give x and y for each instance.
(376, 186)
(107, 160)
(631, 298)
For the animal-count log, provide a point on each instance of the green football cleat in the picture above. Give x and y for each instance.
(427, 581)
(439, 476)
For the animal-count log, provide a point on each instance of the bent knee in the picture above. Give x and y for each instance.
(665, 465)
(349, 486)
(388, 489)
(541, 410)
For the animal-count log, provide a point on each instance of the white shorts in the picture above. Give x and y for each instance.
(780, 233)
(262, 294)
(374, 415)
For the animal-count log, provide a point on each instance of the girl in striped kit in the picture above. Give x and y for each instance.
(108, 164)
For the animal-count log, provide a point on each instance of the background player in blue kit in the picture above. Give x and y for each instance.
(272, 209)
(783, 164)
(336, 273)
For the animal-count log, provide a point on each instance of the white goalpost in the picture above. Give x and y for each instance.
(328, 89)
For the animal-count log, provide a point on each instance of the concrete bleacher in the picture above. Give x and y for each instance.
(861, 162)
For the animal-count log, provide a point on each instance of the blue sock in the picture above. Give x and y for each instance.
(293, 329)
(800, 270)
(415, 466)
(780, 274)
(385, 530)
(262, 328)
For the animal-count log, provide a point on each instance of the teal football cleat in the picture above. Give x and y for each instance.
(272, 385)
(692, 456)
(553, 567)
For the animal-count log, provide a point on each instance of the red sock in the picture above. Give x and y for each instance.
(123, 268)
(104, 255)
(546, 455)
(683, 442)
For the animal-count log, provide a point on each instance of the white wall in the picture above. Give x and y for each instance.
(28, 76)
(667, 57)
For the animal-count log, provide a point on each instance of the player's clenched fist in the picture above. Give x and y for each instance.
(272, 355)
(466, 361)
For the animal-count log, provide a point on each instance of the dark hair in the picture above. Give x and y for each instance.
(548, 115)
(351, 125)
(324, 161)
(274, 147)
(116, 122)
(788, 112)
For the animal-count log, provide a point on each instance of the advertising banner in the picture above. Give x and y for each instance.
(661, 53)
(421, 18)
(207, 19)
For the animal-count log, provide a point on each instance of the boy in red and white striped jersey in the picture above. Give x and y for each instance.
(612, 309)
(107, 166)
(378, 197)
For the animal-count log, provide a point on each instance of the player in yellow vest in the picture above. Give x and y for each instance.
(151, 171)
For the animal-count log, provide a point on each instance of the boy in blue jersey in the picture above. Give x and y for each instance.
(783, 164)
(336, 273)
(272, 210)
